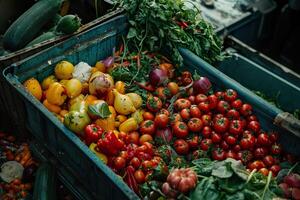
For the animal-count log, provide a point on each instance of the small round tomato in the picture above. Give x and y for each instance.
(221, 125)
(275, 169)
(173, 88)
(124, 154)
(154, 104)
(164, 111)
(236, 148)
(205, 144)
(119, 163)
(224, 145)
(273, 137)
(175, 118)
(268, 160)
(245, 143)
(161, 120)
(237, 104)
(148, 116)
(220, 95)
(147, 165)
(258, 164)
(218, 154)
(139, 176)
(195, 124)
(147, 127)
(145, 138)
(206, 131)
(180, 129)
(263, 139)
(233, 114)
(254, 126)
(162, 93)
(216, 138)
(182, 104)
(223, 106)
(252, 118)
(260, 152)
(200, 98)
(133, 137)
(193, 141)
(212, 101)
(230, 95)
(135, 162)
(231, 140)
(245, 156)
(185, 114)
(246, 109)
(181, 147)
(195, 111)
(236, 127)
(276, 149)
(231, 154)
(204, 107)
(264, 171)
(206, 120)
(217, 116)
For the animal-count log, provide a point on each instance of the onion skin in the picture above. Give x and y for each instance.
(293, 180)
(201, 86)
(164, 134)
(158, 77)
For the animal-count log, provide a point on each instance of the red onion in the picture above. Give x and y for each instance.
(108, 62)
(164, 135)
(158, 76)
(201, 85)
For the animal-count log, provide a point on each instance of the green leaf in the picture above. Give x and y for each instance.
(131, 33)
(100, 109)
(222, 172)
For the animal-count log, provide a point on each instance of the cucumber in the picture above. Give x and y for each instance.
(45, 183)
(41, 38)
(68, 24)
(28, 25)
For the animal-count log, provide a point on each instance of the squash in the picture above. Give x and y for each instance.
(29, 24)
(68, 24)
(42, 38)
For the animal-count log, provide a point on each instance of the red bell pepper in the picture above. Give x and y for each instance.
(92, 133)
(109, 144)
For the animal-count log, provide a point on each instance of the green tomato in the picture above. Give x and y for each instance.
(77, 121)
(79, 106)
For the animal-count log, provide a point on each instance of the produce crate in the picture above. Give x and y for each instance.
(12, 108)
(68, 149)
(267, 113)
(90, 46)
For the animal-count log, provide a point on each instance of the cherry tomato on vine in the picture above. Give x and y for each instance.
(237, 104)
(195, 124)
(223, 106)
(230, 95)
(180, 129)
(221, 125)
(236, 127)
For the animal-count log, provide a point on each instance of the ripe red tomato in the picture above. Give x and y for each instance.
(195, 124)
(231, 140)
(145, 138)
(148, 116)
(254, 126)
(246, 109)
(264, 171)
(224, 145)
(221, 125)
(124, 154)
(195, 111)
(247, 142)
(181, 147)
(175, 118)
(237, 104)
(119, 163)
(236, 148)
(193, 141)
(233, 114)
(252, 118)
(206, 131)
(164, 111)
(245, 156)
(204, 107)
(268, 160)
(220, 95)
(154, 104)
(273, 137)
(231, 154)
(230, 95)
(139, 176)
(218, 154)
(216, 138)
(263, 139)
(275, 169)
(133, 137)
(147, 165)
(236, 127)
(223, 106)
(200, 98)
(192, 99)
(161, 120)
(276, 149)
(212, 101)
(180, 129)
(205, 144)
(206, 120)
(135, 162)
(147, 127)
(185, 114)
(260, 152)
(217, 116)
(258, 164)
(181, 104)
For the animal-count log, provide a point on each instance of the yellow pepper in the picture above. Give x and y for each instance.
(52, 107)
(101, 156)
(120, 87)
(56, 94)
(129, 125)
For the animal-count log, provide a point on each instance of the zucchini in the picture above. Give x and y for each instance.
(45, 183)
(41, 38)
(68, 24)
(28, 25)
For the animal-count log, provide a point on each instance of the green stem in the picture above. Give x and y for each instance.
(267, 185)
(293, 167)
(251, 175)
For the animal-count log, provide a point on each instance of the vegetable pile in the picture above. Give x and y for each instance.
(18, 168)
(165, 132)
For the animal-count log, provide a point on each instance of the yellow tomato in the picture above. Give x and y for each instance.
(64, 70)
(48, 81)
(120, 87)
(34, 87)
(56, 94)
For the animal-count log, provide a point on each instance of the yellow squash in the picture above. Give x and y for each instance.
(34, 87)
(123, 103)
(56, 94)
(129, 125)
